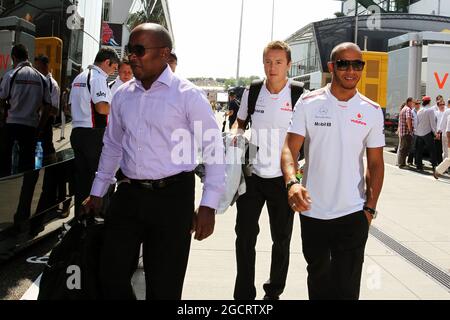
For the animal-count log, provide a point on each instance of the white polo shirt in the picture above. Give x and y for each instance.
(82, 101)
(336, 136)
(270, 122)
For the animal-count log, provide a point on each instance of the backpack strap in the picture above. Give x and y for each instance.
(12, 82)
(296, 91)
(255, 88)
(50, 85)
(88, 80)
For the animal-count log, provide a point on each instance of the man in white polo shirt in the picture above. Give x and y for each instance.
(270, 120)
(338, 125)
(90, 100)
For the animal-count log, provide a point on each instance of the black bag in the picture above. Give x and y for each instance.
(72, 271)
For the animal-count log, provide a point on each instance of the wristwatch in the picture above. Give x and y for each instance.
(291, 183)
(372, 211)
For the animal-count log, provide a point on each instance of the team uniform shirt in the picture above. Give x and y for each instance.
(83, 102)
(336, 136)
(151, 135)
(270, 122)
(28, 92)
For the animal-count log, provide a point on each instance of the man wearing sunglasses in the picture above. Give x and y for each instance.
(152, 116)
(337, 203)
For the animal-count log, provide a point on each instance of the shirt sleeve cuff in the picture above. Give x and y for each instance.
(210, 199)
(99, 188)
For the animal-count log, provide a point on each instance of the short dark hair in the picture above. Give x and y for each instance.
(409, 100)
(105, 54)
(42, 58)
(173, 55)
(124, 61)
(279, 45)
(20, 52)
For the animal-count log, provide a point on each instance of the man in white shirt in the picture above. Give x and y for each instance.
(270, 120)
(338, 125)
(442, 125)
(90, 100)
(125, 75)
(426, 132)
(152, 117)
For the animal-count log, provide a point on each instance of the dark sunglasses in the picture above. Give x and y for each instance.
(343, 65)
(138, 49)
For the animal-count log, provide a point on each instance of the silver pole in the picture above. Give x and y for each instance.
(239, 45)
(63, 125)
(273, 15)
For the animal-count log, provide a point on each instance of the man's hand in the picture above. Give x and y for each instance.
(368, 216)
(92, 205)
(237, 134)
(298, 198)
(203, 223)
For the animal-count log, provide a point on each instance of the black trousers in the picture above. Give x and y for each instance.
(249, 206)
(87, 145)
(438, 149)
(334, 252)
(26, 137)
(426, 141)
(160, 219)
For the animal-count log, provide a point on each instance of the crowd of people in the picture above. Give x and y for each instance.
(423, 126)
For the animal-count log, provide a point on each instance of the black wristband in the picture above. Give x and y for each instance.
(370, 210)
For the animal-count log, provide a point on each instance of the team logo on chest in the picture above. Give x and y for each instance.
(359, 119)
(286, 107)
(323, 113)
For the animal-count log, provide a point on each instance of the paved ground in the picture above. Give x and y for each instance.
(413, 213)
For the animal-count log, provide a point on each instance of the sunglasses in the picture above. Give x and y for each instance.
(138, 50)
(344, 65)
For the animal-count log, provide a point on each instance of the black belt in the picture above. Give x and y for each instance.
(160, 183)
